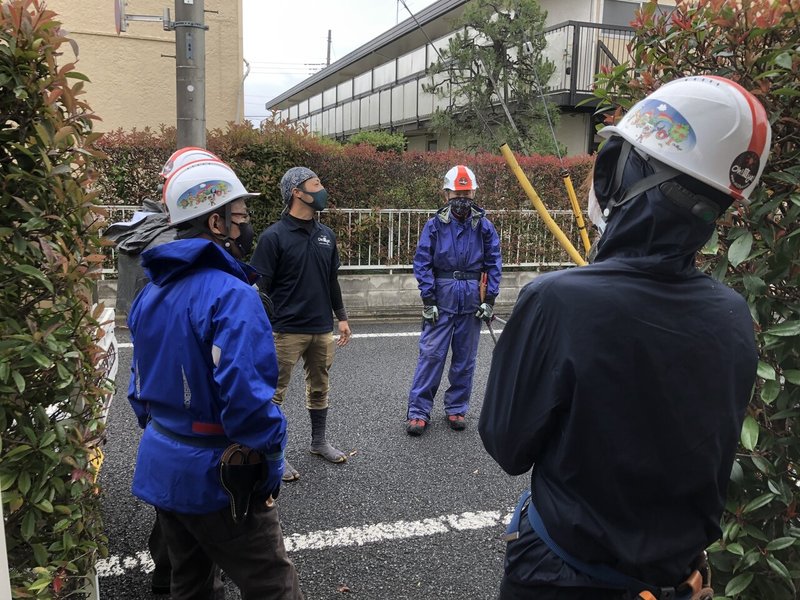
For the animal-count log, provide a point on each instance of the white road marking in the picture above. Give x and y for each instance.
(363, 335)
(373, 533)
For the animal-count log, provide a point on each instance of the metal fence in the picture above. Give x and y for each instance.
(385, 240)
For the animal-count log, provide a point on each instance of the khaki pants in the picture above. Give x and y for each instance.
(316, 351)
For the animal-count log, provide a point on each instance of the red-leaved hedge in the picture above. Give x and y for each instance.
(356, 176)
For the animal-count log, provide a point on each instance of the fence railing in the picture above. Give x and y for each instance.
(380, 240)
(579, 50)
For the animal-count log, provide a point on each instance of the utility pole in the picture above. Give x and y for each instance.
(190, 72)
(328, 61)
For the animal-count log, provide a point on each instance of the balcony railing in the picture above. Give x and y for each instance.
(579, 50)
(385, 240)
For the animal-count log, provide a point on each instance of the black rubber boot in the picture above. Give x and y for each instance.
(319, 445)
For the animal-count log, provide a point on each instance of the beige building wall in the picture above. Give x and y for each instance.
(133, 74)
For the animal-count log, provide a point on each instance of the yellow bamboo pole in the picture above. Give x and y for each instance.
(576, 209)
(540, 207)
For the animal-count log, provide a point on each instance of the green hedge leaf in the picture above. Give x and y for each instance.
(740, 249)
(738, 584)
(749, 432)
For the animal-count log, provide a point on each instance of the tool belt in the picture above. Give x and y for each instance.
(457, 275)
(697, 586)
(241, 471)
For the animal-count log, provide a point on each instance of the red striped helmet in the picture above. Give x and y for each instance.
(460, 179)
(708, 127)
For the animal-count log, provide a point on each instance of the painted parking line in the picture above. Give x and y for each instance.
(342, 537)
(363, 336)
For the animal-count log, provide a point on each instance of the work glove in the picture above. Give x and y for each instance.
(485, 312)
(430, 314)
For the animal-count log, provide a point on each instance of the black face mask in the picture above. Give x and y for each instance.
(245, 240)
(460, 207)
(320, 199)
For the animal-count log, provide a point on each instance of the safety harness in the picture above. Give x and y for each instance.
(695, 587)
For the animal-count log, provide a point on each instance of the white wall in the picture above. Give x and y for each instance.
(559, 11)
(572, 131)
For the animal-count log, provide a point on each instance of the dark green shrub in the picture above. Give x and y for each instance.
(51, 391)
(756, 250)
(382, 141)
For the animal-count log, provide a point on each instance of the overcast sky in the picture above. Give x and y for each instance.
(286, 41)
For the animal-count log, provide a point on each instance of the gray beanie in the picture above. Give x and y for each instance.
(293, 178)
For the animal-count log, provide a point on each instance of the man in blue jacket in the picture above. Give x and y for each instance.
(203, 375)
(624, 383)
(456, 247)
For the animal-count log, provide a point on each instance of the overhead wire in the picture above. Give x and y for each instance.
(565, 175)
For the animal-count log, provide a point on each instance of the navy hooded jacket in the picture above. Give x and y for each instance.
(624, 384)
(203, 364)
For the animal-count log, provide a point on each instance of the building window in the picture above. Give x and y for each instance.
(329, 97)
(397, 104)
(622, 12)
(411, 64)
(384, 75)
(385, 116)
(362, 84)
(431, 146)
(344, 91)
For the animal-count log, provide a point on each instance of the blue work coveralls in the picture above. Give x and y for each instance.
(204, 369)
(450, 257)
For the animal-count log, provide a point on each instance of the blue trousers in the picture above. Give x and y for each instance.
(461, 333)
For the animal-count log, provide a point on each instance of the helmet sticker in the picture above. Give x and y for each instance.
(167, 169)
(206, 192)
(664, 124)
(744, 169)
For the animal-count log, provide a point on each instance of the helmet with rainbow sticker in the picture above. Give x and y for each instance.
(200, 187)
(705, 126)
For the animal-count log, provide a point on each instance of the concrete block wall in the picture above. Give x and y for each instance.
(386, 296)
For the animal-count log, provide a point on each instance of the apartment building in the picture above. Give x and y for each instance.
(133, 73)
(379, 86)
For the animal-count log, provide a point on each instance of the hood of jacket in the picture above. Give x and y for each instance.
(650, 231)
(444, 214)
(172, 261)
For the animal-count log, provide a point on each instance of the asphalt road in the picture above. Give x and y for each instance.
(416, 518)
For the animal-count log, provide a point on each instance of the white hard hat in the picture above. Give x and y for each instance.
(459, 179)
(201, 187)
(706, 126)
(184, 156)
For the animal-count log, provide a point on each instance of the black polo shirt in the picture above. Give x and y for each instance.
(298, 261)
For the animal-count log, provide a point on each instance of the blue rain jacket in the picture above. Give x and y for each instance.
(623, 385)
(203, 364)
(447, 244)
